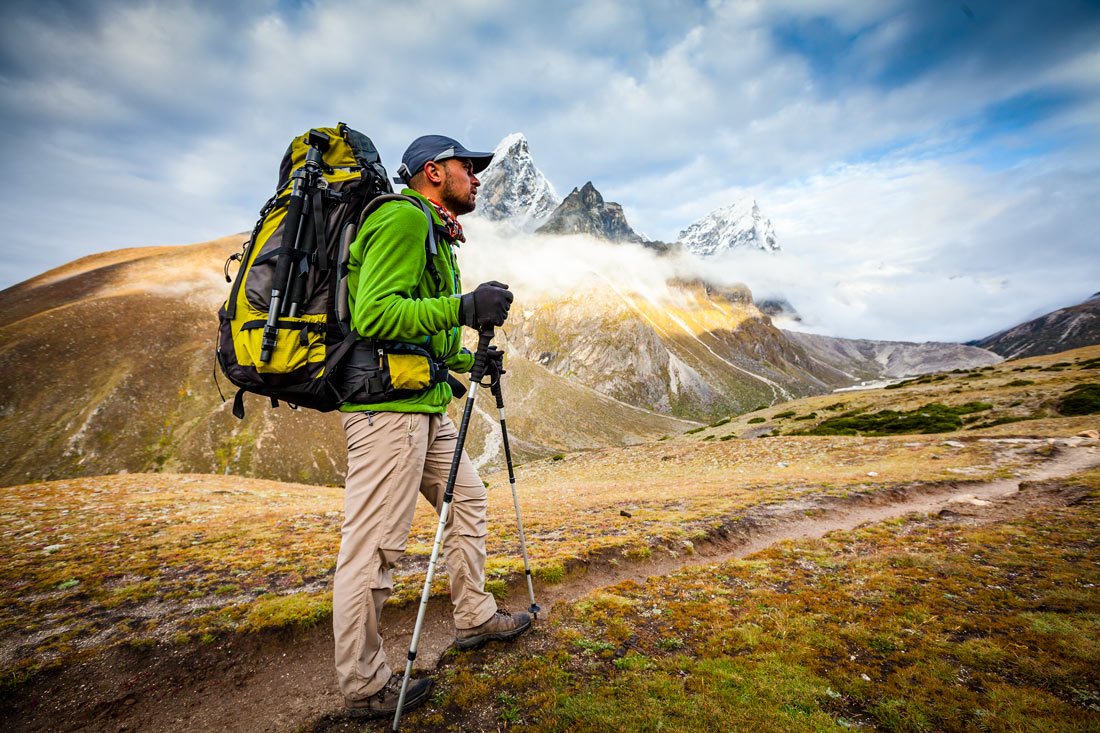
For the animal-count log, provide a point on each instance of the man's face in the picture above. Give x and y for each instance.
(459, 192)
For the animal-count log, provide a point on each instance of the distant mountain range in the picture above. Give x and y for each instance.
(1062, 330)
(514, 189)
(866, 360)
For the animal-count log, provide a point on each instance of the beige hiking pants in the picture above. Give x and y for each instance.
(392, 456)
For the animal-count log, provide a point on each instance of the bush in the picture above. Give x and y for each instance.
(781, 415)
(931, 418)
(755, 420)
(1084, 399)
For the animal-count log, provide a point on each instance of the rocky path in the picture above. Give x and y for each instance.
(280, 682)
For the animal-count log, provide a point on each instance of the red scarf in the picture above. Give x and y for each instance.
(450, 223)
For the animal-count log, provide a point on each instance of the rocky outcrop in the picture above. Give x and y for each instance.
(585, 212)
(1061, 330)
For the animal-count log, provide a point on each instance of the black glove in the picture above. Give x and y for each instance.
(487, 306)
(494, 361)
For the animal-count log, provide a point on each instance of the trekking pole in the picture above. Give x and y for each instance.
(303, 180)
(498, 392)
(480, 365)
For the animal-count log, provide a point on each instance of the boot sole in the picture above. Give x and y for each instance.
(410, 703)
(478, 641)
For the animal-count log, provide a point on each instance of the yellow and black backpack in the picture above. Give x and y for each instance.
(284, 331)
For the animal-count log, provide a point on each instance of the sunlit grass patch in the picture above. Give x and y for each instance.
(302, 610)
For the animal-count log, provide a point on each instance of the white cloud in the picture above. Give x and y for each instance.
(163, 123)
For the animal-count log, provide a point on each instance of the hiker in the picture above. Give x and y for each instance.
(396, 449)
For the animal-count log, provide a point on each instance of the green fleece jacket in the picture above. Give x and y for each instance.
(393, 297)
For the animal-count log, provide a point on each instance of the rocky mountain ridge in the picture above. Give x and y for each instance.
(1060, 330)
(514, 190)
(584, 211)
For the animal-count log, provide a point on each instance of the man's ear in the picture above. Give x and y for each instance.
(433, 171)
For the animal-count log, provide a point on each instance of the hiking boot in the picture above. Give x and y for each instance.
(383, 704)
(502, 626)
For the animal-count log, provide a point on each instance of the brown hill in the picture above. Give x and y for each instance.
(108, 368)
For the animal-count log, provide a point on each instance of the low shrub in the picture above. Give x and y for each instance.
(931, 418)
(1084, 399)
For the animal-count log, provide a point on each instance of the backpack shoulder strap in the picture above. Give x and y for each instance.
(431, 246)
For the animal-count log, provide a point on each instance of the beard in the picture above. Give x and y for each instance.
(458, 198)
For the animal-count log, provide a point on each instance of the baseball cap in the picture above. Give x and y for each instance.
(437, 148)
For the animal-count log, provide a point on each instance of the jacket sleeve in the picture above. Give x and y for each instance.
(461, 362)
(390, 253)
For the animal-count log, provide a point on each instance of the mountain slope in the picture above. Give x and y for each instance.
(1060, 330)
(692, 351)
(108, 366)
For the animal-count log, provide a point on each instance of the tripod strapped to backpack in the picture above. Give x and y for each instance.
(307, 188)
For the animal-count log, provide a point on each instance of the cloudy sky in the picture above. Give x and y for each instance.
(932, 167)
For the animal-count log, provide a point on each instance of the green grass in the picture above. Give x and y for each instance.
(913, 625)
(931, 418)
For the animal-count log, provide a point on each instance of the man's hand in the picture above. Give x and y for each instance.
(487, 306)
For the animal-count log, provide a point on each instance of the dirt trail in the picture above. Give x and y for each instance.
(283, 681)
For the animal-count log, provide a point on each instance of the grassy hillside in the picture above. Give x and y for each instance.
(109, 367)
(1021, 397)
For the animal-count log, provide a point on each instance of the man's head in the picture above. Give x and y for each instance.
(441, 168)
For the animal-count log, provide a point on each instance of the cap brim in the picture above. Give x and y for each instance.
(480, 160)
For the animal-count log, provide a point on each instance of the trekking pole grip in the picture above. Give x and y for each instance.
(481, 356)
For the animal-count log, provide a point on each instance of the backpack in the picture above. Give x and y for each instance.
(285, 329)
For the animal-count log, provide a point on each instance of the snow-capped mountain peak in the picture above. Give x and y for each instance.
(513, 187)
(739, 225)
